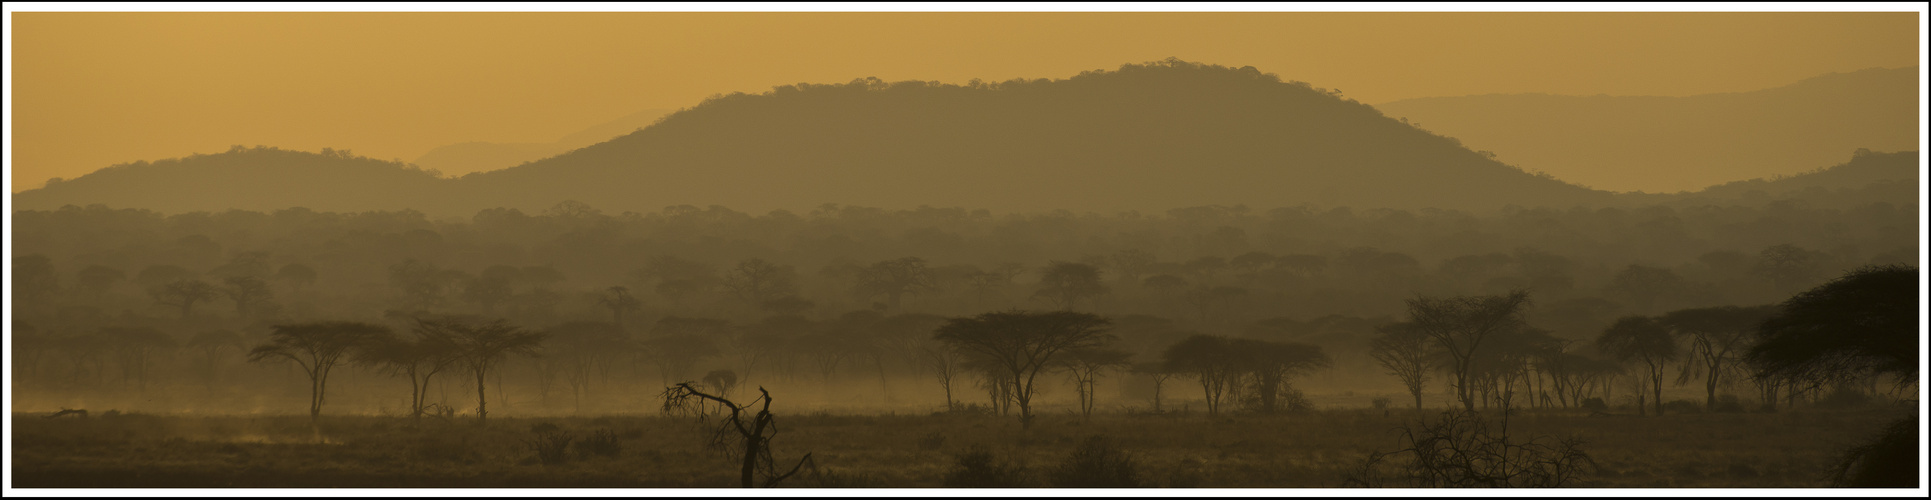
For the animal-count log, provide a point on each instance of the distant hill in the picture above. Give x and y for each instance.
(1868, 177)
(1147, 137)
(1667, 144)
(260, 178)
(469, 157)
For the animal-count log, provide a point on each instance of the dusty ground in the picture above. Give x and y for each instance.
(1787, 449)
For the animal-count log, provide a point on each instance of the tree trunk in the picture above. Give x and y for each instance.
(482, 408)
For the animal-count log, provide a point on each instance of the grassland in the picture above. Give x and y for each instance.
(1738, 450)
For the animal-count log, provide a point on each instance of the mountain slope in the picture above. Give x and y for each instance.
(1667, 144)
(1147, 137)
(468, 157)
(260, 179)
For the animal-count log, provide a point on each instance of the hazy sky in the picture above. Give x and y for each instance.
(93, 89)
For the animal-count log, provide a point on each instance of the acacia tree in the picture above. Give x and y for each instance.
(419, 358)
(1460, 324)
(895, 279)
(756, 281)
(134, 349)
(1086, 366)
(1860, 324)
(249, 293)
(1205, 357)
(584, 349)
(479, 345)
(185, 293)
(1407, 355)
(1270, 365)
(1065, 284)
(945, 364)
(1645, 339)
(1021, 344)
(619, 301)
(1159, 373)
(317, 347)
(1717, 338)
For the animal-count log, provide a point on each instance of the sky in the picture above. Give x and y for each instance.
(95, 89)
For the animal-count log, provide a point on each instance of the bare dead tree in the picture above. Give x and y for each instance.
(748, 441)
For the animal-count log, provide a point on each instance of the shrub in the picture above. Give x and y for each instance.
(1595, 404)
(1460, 450)
(550, 443)
(1381, 403)
(603, 442)
(978, 468)
(1096, 464)
(932, 441)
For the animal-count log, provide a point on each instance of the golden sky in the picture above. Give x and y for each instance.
(94, 89)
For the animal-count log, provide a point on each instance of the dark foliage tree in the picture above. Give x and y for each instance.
(297, 276)
(1021, 344)
(479, 345)
(1716, 338)
(418, 357)
(1860, 324)
(1086, 366)
(317, 347)
(895, 279)
(1642, 338)
(185, 294)
(1065, 284)
(250, 294)
(34, 279)
(1407, 354)
(619, 301)
(135, 350)
(755, 281)
(1460, 325)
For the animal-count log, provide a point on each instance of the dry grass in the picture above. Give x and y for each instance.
(1790, 449)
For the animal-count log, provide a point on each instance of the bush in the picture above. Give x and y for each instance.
(1461, 450)
(1381, 403)
(1096, 464)
(833, 478)
(1187, 474)
(550, 443)
(603, 442)
(1595, 404)
(978, 468)
(932, 441)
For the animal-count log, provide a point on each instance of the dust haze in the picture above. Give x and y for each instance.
(1214, 269)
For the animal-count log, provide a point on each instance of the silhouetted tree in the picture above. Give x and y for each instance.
(1064, 284)
(1645, 339)
(619, 301)
(479, 345)
(1643, 286)
(211, 344)
(317, 347)
(420, 358)
(135, 350)
(249, 293)
(1086, 366)
(1021, 344)
(1159, 373)
(34, 279)
(1860, 324)
(1209, 359)
(1407, 354)
(1459, 325)
(1717, 338)
(755, 281)
(185, 294)
(895, 279)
